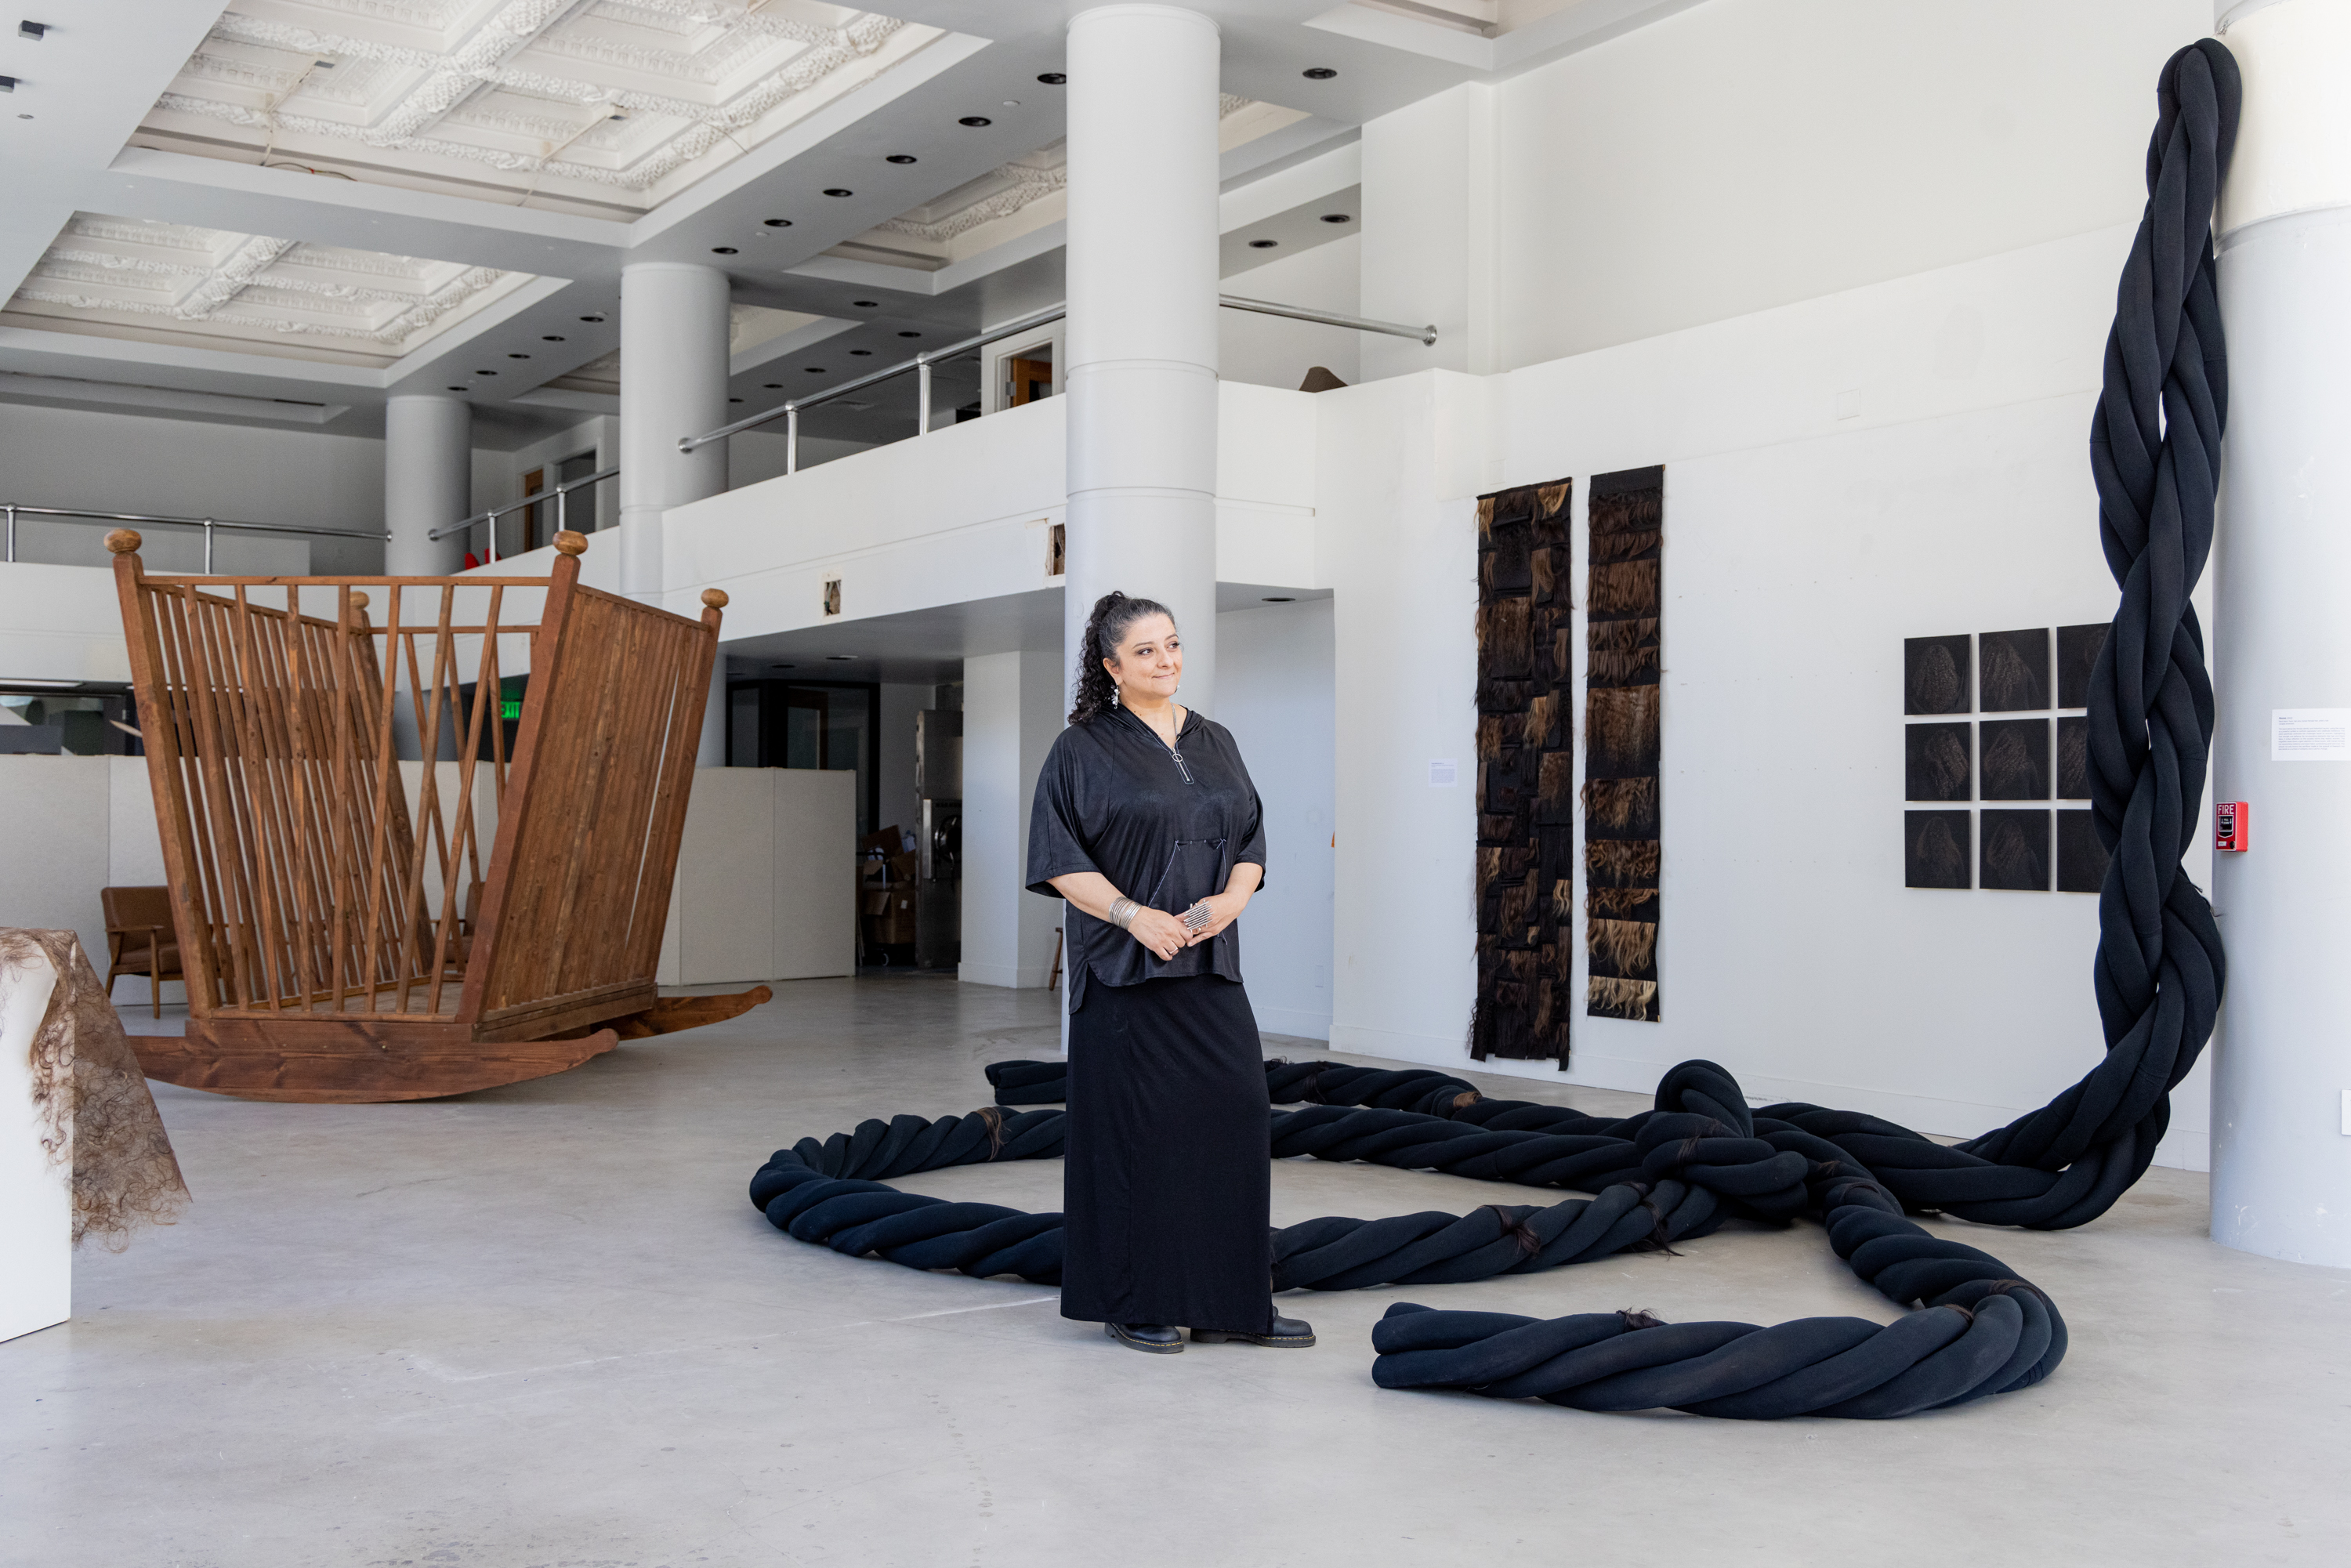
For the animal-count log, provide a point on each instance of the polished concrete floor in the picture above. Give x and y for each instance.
(543, 1328)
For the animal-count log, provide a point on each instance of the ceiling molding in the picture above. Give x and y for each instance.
(606, 107)
(129, 277)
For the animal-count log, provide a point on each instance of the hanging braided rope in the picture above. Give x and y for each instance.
(1700, 1156)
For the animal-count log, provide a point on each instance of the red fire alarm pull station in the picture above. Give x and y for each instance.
(2232, 826)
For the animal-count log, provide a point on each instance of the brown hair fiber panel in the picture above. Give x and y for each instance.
(1621, 862)
(1627, 946)
(1623, 588)
(1623, 547)
(1623, 636)
(1628, 512)
(1636, 666)
(1613, 999)
(1626, 806)
(1621, 731)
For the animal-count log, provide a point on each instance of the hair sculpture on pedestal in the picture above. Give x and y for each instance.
(1677, 1172)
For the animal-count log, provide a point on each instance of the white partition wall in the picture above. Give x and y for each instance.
(36, 1189)
(766, 878)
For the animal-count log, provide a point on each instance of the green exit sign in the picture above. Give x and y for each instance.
(510, 707)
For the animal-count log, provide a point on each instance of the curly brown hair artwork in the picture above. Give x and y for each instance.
(1526, 773)
(1623, 588)
(1934, 762)
(1935, 675)
(1609, 997)
(1625, 806)
(1621, 862)
(2014, 670)
(90, 1100)
(1627, 948)
(1935, 849)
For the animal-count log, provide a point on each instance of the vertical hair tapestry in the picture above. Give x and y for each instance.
(1622, 837)
(1526, 761)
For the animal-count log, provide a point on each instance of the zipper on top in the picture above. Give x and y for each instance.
(1172, 751)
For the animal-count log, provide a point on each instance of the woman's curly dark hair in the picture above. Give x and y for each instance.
(1113, 613)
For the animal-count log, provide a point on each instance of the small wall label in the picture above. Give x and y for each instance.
(2310, 734)
(1444, 774)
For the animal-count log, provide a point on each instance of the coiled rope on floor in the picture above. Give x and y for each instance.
(1700, 1156)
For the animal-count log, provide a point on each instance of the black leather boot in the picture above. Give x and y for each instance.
(1291, 1334)
(1156, 1338)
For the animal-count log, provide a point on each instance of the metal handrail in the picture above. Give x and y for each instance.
(1425, 336)
(789, 410)
(208, 523)
(922, 363)
(560, 496)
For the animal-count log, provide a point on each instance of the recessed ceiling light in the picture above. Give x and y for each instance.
(899, 158)
(591, 317)
(8, 84)
(840, 658)
(910, 334)
(867, 304)
(813, 369)
(1281, 599)
(486, 372)
(733, 400)
(775, 222)
(1053, 78)
(36, 31)
(723, 250)
(551, 338)
(975, 121)
(837, 191)
(783, 666)
(1338, 217)
(771, 386)
(518, 356)
(456, 388)
(863, 354)
(1263, 244)
(1318, 73)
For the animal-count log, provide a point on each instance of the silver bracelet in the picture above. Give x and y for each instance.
(1123, 912)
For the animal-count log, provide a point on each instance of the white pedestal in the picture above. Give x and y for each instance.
(36, 1189)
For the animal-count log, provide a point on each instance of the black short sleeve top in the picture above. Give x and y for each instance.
(1166, 826)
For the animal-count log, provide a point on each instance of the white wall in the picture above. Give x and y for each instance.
(1898, 460)
(132, 462)
(1275, 691)
(1270, 351)
(77, 824)
(1012, 709)
(1748, 153)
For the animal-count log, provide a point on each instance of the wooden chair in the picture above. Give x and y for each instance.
(140, 939)
(334, 943)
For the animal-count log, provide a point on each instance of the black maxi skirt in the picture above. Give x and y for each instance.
(1167, 1181)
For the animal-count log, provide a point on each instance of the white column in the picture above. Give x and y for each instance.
(674, 365)
(428, 482)
(2281, 1081)
(1012, 709)
(1142, 340)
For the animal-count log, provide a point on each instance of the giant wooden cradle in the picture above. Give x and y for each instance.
(342, 939)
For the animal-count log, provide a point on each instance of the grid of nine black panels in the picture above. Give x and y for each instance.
(1993, 725)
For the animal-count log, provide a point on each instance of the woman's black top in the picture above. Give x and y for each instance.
(1167, 827)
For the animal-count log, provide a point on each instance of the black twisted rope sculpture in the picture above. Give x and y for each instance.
(1678, 1171)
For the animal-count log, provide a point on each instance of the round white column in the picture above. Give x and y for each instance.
(674, 365)
(428, 482)
(2281, 1064)
(1141, 336)
(674, 362)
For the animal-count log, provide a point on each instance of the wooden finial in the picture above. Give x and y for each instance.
(715, 598)
(359, 601)
(570, 543)
(122, 541)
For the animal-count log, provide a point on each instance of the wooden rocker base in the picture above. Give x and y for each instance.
(364, 1060)
(357, 1071)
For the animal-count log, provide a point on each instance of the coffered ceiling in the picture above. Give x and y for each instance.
(602, 106)
(176, 284)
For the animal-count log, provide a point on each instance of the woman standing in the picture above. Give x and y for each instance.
(1147, 824)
